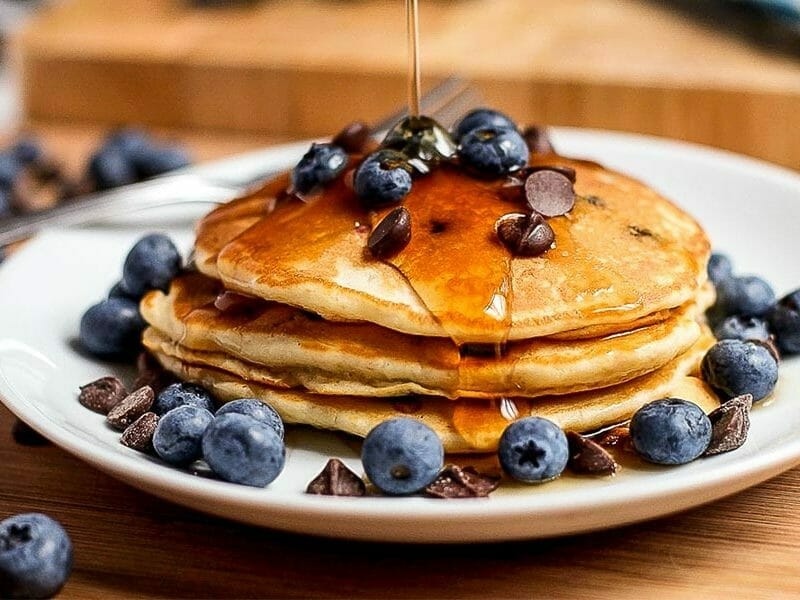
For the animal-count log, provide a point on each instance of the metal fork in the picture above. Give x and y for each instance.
(213, 182)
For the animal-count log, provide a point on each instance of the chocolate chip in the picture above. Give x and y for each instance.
(549, 193)
(538, 140)
(133, 406)
(729, 425)
(525, 235)
(588, 457)
(618, 437)
(25, 435)
(408, 405)
(391, 235)
(337, 480)
(353, 137)
(139, 434)
(567, 172)
(457, 482)
(102, 395)
(151, 373)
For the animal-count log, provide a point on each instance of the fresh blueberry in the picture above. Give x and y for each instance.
(720, 268)
(109, 167)
(320, 165)
(401, 456)
(10, 169)
(480, 118)
(5, 202)
(493, 152)
(35, 556)
(734, 367)
(742, 328)
(747, 296)
(27, 150)
(129, 141)
(153, 161)
(179, 434)
(182, 394)
(112, 328)
(785, 321)
(150, 265)
(383, 179)
(533, 449)
(670, 431)
(119, 291)
(257, 409)
(243, 450)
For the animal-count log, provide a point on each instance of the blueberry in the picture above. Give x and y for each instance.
(402, 456)
(742, 328)
(112, 328)
(179, 434)
(383, 179)
(242, 450)
(150, 265)
(35, 556)
(152, 161)
(320, 165)
(26, 151)
(5, 202)
(493, 152)
(747, 296)
(785, 321)
(118, 291)
(129, 141)
(480, 118)
(734, 367)
(533, 449)
(720, 268)
(182, 394)
(10, 169)
(109, 168)
(257, 409)
(670, 431)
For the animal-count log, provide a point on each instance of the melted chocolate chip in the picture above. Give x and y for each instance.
(729, 425)
(549, 193)
(25, 435)
(538, 140)
(337, 480)
(139, 434)
(588, 457)
(353, 138)
(567, 172)
(457, 482)
(102, 395)
(131, 408)
(391, 235)
(525, 235)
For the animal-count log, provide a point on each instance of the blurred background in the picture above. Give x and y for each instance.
(212, 78)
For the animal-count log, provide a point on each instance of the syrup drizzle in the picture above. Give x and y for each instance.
(412, 29)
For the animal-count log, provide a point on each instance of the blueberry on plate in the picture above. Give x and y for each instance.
(670, 431)
(26, 150)
(383, 179)
(785, 322)
(748, 296)
(320, 165)
(243, 450)
(402, 456)
(742, 328)
(493, 152)
(109, 168)
(112, 328)
(128, 140)
(720, 268)
(533, 450)
(5, 202)
(260, 411)
(157, 160)
(733, 368)
(480, 118)
(182, 394)
(35, 556)
(179, 434)
(150, 265)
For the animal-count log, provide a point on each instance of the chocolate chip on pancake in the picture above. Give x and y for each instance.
(729, 425)
(353, 138)
(457, 482)
(337, 480)
(391, 235)
(567, 172)
(588, 457)
(549, 193)
(525, 235)
(538, 140)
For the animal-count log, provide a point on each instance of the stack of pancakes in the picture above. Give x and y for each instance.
(288, 306)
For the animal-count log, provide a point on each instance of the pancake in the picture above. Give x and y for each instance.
(624, 252)
(465, 425)
(284, 347)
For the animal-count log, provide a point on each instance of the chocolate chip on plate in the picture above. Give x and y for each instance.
(549, 193)
(337, 480)
(456, 482)
(589, 457)
(102, 395)
(729, 425)
(133, 406)
(525, 235)
(391, 235)
(538, 140)
(353, 138)
(139, 434)
(618, 437)
(25, 435)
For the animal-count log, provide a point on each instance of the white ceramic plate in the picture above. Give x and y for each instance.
(750, 209)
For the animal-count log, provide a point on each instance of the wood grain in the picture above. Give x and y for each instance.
(304, 67)
(131, 545)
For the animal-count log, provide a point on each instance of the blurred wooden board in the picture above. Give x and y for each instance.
(305, 67)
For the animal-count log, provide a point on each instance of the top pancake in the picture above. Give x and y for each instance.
(624, 252)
